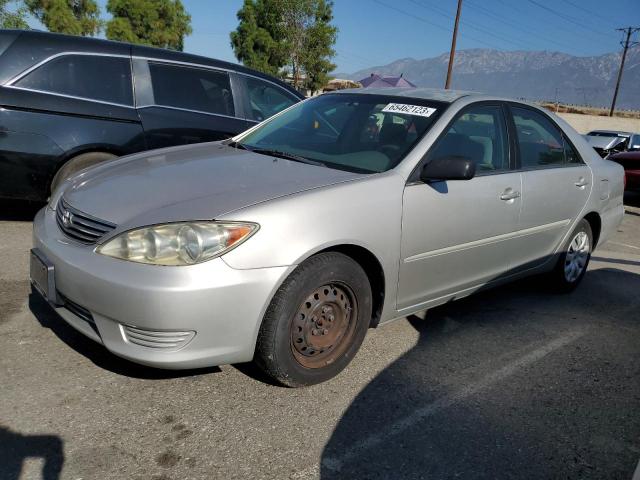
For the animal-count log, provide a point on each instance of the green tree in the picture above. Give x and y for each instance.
(12, 19)
(160, 23)
(75, 17)
(258, 40)
(287, 37)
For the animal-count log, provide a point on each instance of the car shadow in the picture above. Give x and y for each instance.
(98, 354)
(18, 210)
(427, 416)
(15, 448)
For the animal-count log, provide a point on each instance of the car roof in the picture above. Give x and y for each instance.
(32, 42)
(435, 94)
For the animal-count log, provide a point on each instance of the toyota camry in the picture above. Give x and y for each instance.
(286, 243)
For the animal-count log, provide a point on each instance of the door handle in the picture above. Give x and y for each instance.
(510, 195)
(581, 183)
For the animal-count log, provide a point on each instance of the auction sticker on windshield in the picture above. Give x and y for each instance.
(409, 109)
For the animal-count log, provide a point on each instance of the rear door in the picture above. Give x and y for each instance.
(70, 104)
(461, 234)
(180, 104)
(556, 184)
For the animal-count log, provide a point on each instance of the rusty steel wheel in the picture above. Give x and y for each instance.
(316, 321)
(323, 325)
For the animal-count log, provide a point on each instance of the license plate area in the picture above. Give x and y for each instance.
(41, 272)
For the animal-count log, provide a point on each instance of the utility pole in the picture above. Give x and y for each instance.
(626, 43)
(452, 54)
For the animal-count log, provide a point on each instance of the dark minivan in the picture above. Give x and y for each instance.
(67, 103)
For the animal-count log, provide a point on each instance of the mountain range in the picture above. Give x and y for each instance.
(532, 75)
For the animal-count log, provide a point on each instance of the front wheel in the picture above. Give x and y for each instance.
(574, 259)
(316, 322)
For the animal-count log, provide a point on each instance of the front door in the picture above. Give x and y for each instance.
(460, 234)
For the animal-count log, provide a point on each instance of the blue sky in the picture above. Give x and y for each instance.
(376, 32)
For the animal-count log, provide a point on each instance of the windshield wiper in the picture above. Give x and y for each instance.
(285, 155)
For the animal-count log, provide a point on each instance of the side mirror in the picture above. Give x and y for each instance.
(448, 168)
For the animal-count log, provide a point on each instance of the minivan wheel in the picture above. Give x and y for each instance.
(574, 259)
(78, 163)
(316, 321)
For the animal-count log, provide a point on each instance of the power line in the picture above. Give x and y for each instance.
(586, 10)
(626, 43)
(434, 24)
(567, 18)
(519, 27)
(469, 24)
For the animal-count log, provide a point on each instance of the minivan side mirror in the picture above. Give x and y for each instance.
(448, 168)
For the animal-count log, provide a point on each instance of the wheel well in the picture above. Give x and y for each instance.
(76, 153)
(374, 271)
(596, 224)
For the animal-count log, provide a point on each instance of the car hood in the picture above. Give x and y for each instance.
(198, 182)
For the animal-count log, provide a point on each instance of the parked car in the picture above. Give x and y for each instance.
(67, 103)
(630, 161)
(286, 243)
(606, 142)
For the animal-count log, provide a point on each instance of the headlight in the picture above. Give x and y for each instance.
(178, 243)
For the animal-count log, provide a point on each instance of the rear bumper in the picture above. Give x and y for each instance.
(611, 220)
(201, 315)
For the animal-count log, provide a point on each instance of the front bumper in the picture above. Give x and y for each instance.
(201, 315)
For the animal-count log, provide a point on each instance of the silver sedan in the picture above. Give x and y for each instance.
(286, 243)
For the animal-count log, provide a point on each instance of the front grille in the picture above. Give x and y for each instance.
(80, 226)
(158, 339)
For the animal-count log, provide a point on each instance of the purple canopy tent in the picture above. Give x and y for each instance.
(375, 80)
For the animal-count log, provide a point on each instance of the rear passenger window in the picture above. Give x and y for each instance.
(191, 88)
(479, 134)
(542, 144)
(266, 99)
(98, 77)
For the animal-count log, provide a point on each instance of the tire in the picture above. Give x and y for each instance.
(78, 163)
(316, 321)
(574, 260)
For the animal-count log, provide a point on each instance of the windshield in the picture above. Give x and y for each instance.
(356, 132)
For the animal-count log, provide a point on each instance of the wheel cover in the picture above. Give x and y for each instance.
(324, 325)
(577, 256)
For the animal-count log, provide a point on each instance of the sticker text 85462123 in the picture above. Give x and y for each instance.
(409, 109)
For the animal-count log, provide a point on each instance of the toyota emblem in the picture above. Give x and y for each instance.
(67, 217)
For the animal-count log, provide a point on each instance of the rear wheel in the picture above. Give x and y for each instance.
(78, 163)
(316, 322)
(575, 257)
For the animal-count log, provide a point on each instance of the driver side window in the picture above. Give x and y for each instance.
(479, 134)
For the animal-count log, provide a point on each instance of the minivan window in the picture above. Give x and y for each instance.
(191, 88)
(94, 77)
(266, 99)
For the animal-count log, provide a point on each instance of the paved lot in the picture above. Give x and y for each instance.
(511, 383)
